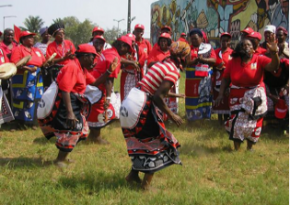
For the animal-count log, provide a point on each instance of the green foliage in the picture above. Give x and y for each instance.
(33, 24)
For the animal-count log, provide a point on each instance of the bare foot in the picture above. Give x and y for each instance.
(60, 164)
(131, 179)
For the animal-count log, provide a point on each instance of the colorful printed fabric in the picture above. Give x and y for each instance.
(27, 89)
(248, 106)
(198, 100)
(150, 146)
(55, 123)
(5, 110)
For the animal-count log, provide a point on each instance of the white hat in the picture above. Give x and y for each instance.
(270, 28)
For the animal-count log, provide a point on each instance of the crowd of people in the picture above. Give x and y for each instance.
(69, 91)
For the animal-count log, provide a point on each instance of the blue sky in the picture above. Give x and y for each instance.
(101, 12)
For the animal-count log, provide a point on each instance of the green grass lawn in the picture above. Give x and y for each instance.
(211, 172)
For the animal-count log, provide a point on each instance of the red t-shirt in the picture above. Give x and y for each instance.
(60, 50)
(145, 48)
(6, 49)
(246, 74)
(223, 57)
(157, 55)
(21, 51)
(103, 64)
(72, 78)
(3, 57)
(260, 51)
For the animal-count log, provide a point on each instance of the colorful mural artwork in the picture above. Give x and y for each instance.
(217, 16)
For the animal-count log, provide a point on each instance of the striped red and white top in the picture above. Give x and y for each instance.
(157, 74)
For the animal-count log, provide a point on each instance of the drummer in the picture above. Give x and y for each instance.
(64, 49)
(27, 87)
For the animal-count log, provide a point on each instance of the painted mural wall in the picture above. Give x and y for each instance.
(217, 16)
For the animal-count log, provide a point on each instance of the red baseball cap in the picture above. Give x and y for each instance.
(139, 26)
(166, 27)
(99, 37)
(281, 28)
(256, 35)
(165, 35)
(226, 34)
(132, 36)
(86, 48)
(98, 29)
(248, 30)
(281, 109)
(127, 40)
(182, 34)
(26, 33)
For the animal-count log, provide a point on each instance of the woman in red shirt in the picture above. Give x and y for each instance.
(107, 108)
(198, 100)
(150, 146)
(66, 119)
(27, 84)
(223, 55)
(247, 101)
(64, 49)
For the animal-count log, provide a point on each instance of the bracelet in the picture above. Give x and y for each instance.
(110, 72)
(108, 98)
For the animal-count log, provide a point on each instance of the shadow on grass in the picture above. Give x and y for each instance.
(42, 140)
(20, 162)
(202, 150)
(96, 182)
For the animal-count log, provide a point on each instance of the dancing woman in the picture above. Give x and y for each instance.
(247, 100)
(150, 146)
(66, 117)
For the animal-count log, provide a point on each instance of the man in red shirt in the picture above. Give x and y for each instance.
(143, 44)
(8, 43)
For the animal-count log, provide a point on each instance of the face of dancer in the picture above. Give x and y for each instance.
(124, 49)
(8, 36)
(248, 47)
(281, 37)
(196, 40)
(45, 36)
(88, 61)
(267, 35)
(225, 42)
(138, 33)
(28, 41)
(59, 36)
(99, 44)
(163, 43)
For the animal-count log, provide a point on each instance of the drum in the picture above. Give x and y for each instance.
(7, 70)
(50, 74)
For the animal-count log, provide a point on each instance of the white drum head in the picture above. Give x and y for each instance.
(204, 48)
(7, 70)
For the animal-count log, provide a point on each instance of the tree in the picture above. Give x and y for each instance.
(112, 34)
(33, 24)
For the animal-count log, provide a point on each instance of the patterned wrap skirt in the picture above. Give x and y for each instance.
(150, 146)
(198, 101)
(248, 107)
(27, 89)
(55, 123)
